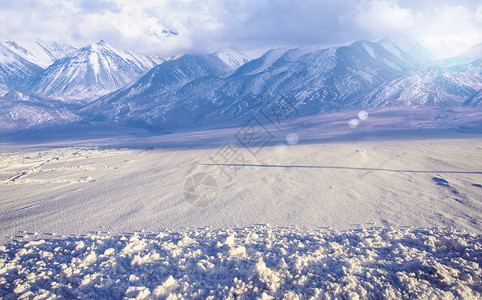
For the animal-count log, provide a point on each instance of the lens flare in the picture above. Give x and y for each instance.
(362, 115)
(353, 123)
(292, 139)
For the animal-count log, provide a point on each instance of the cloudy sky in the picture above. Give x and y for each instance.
(243, 25)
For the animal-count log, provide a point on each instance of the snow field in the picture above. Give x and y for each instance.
(75, 190)
(247, 263)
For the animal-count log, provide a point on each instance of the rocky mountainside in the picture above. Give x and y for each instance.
(20, 111)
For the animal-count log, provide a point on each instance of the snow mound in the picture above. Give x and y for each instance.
(247, 263)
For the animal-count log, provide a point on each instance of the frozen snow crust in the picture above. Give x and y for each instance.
(250, 262)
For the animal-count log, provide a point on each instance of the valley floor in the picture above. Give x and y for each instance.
(360, 210)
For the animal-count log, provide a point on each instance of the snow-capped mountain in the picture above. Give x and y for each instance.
(90, 72)
(15, 71)
(41, 53)
(19, 111)
(315, 79)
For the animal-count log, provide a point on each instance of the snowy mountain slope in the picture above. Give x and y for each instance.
(15, 71)
(232, 59)
(90, 72)
(41, 53)
(315, 79)
(474, 100)
(453, 81)
(408, 50)
(147, 99)
(19, 111)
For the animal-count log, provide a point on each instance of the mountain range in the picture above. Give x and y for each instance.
(99, 84)
(197, 91)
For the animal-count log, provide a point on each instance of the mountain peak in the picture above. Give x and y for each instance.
(161, 33)
(100, 45)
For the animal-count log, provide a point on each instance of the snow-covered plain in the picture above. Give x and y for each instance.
(390, 214)
(421, 183)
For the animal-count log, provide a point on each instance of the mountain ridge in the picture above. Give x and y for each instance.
(40, 53)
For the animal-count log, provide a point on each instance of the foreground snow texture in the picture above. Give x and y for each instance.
(249, 262)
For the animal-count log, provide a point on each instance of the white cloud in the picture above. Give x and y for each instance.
(448, 30)
(210, 25)
(478, 14)
(384, 16)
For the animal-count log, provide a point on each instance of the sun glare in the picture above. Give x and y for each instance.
(448, 31)
(449, 45)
